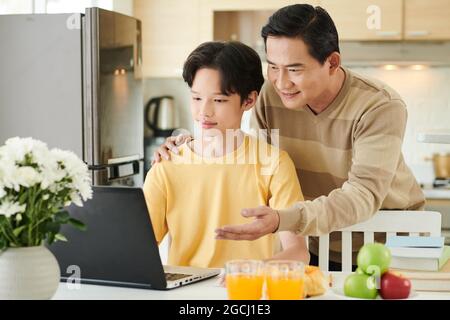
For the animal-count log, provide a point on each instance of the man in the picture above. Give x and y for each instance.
(344, 133)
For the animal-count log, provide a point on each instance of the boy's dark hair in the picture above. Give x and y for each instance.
(239, 66)
(311, 24)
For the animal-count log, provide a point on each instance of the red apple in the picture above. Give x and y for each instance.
(394, 286)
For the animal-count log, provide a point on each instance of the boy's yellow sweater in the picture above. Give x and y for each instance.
(189, 197)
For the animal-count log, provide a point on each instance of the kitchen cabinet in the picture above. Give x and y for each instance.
(239, 5)
(238, 20)
(170, 31)
(399, 19)
(364, 20)
(427, 20)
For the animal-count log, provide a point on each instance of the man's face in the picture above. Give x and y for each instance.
(214, 111)
(298, 78)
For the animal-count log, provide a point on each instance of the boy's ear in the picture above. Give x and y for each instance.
(250, 101)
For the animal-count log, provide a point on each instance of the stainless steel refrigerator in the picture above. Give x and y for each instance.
(74, 81)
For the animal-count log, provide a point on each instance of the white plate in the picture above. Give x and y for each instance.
(339, 292)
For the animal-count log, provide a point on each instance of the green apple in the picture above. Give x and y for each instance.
(360, 286)
(374, 259)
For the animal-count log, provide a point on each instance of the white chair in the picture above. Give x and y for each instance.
(385, 221)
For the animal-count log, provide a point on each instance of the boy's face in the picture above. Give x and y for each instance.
(214, 111)
(298, 78)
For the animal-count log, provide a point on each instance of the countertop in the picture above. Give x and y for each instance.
(203, 290)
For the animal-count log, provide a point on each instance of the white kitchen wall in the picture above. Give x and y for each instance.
(63, 6)
(427, 96)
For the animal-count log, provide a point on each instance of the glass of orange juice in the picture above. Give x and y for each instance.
(244, 279)
(284, 280)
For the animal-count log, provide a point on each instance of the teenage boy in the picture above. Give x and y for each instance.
(222, 169)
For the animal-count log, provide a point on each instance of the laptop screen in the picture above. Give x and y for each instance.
(118, 247)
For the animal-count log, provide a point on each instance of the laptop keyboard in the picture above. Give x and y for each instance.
(176, 276)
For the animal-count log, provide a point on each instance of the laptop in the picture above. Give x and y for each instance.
(118, 247)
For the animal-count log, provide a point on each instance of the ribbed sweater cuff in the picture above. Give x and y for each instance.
(291, 219)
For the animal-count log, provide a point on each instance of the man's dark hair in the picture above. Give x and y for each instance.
(239, 66)
(311, 24)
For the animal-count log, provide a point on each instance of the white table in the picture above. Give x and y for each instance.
(204, 290)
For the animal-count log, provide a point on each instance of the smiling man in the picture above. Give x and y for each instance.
(343, 131)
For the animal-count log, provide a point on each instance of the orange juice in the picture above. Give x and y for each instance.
(244, 287)
(285, 280)
(285, 288)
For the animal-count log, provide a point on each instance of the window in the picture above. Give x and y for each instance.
(51, 6)
(16, 6)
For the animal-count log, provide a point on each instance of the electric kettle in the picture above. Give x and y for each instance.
(161, 116)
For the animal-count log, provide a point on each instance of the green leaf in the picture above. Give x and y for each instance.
(18, 230)
(77, 224)
(23, 198)
(23, 239)
(51, 238)
(49, 226)
(62, 217)
(3, 243)
(60, 237)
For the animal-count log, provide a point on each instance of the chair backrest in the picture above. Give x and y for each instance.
(385, 221)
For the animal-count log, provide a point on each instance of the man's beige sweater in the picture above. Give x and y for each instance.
(348, 158)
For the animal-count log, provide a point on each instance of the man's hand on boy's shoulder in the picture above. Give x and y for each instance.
(170, 144)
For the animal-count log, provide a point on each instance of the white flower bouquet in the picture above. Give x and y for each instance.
(35, 185)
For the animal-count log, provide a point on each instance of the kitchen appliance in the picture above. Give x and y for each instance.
(438, 195)
(74, 82)
(442, 183)
(441, 165)
(161, 116)
(438, 199)
(402, 53)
